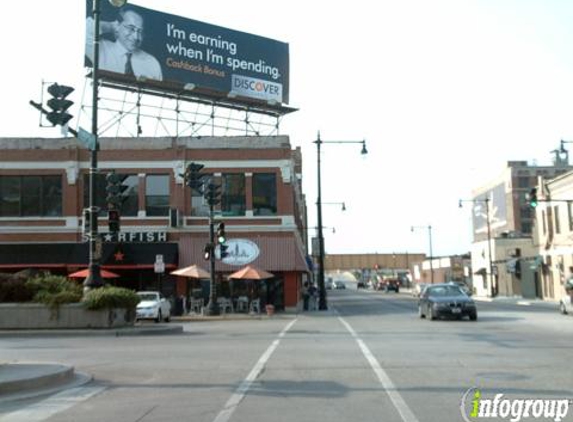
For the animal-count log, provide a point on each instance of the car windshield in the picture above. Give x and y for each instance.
(147, 296)
(445, 291)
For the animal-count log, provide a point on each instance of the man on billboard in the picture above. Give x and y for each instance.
(123, 54)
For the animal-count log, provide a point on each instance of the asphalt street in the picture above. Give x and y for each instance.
(368, 358)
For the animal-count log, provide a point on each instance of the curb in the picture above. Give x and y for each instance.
(25, 380)
(116, 332)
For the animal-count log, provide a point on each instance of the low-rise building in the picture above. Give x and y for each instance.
(44, 189)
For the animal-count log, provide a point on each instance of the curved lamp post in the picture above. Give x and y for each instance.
(322, 305)
(94, 279)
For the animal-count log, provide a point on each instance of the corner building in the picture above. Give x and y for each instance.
(44, 187)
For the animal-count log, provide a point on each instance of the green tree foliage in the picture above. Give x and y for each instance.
(111, 297)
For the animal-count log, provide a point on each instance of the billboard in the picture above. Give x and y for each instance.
(173, 53)
(497, 211)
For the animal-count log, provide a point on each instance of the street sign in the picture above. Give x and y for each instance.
(159, 266)
(86, 138)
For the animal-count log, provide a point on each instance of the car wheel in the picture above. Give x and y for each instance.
(473, 317)
(158, 319)
(431, 314)
(420, 313)
(563, 308)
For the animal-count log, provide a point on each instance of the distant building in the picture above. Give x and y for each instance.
(510, 217)
(444, 269)
(553, 234)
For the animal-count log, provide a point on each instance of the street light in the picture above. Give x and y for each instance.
(94, 279)
(343, 204)
(429, 227)
(486, 201)
(322, 306)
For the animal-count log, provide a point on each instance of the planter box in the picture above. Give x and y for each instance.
(73, 315)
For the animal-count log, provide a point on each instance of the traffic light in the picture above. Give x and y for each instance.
(59, 104)
(221, 238)
(533, 198)
(207, 251)
(213, 194)
(113, 221)
(114, 190)
(193, 177)
(223, 250)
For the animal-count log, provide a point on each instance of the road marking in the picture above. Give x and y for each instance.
(231, 405)
(54, 404)
(399, 403)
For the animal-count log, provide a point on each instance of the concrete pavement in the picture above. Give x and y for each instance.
(23, 380)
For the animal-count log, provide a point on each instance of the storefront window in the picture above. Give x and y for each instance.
(199, 205)
(30, 196)
(157, 195)
(264, 194)
(233, 201)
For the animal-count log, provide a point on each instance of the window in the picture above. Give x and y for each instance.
(157, 195)
(556, 217)
(130, 186)
(30, 196)
(544, 218)
(199, 205)
(523, 182)
(264, 194)
(233, 201)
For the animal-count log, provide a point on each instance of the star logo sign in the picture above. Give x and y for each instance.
(118, 256)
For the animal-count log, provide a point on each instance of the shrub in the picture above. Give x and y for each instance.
(16, 290)
(54, 290)
(111, 297)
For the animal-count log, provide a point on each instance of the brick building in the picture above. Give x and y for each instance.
(44, 189)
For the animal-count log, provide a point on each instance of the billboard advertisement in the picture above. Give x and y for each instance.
(174, 53)
(497, 211)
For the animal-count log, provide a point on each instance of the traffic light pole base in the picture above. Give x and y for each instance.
(212, 309)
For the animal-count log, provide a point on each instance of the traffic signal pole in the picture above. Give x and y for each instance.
(212, 306)
(94, 280)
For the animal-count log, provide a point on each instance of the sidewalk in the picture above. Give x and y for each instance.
(136, 330)
(23, 380)
(518, 300)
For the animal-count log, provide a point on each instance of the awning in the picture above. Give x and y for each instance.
(76, 255)
(275, 253)
(482, 271)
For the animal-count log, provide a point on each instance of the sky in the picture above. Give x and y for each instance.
(444, 92)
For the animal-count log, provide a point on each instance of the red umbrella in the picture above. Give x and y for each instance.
(85, 273)
(193, 271)
(251, 273)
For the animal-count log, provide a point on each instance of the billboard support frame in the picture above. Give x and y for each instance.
(209, 112)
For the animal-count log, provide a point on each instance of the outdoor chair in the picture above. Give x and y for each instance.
(242, 304)
(225, 304)
(197, 306)
(255, 306)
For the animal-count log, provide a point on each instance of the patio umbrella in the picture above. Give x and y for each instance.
(85, 273)
(251, 273)
(192, 271)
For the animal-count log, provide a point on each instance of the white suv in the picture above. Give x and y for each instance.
(153, 305)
